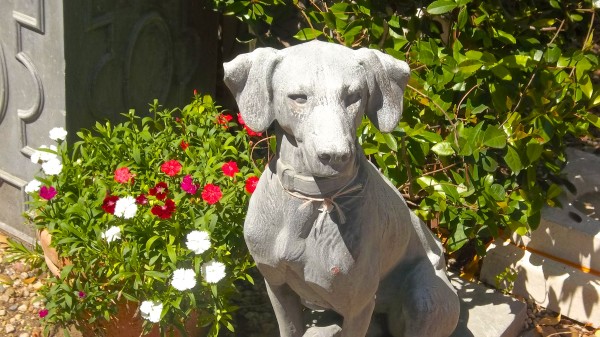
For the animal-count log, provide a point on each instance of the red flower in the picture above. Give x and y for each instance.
(184, 145)
(108, 205)
(195, 92)
(252, 132)
(159, 191)
(240, 119)
(47, 192)
(171, 167)
(223, 119)
(142, 200)
(230, 168)
(187, 184)
(122, 175)
(165, 211)
(211, 194)
(251, 183)
(43, 313)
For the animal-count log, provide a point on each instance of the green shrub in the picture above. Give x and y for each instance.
(497, 88)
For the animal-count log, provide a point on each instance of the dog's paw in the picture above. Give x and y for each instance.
(333, 330)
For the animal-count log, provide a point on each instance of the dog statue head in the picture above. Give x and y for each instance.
(318, 92)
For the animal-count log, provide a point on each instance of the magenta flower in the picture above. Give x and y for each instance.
(187, 184)
(47, 192)
(81, 294)
(43, 313)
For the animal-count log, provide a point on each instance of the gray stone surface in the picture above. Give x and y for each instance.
(550, 283)
(70, 63)
(485, 312)
(325, 227)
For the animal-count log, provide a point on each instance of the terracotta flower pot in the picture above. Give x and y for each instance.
(54, 262)
(128, 323)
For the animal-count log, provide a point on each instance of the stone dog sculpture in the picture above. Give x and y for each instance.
(325, 228)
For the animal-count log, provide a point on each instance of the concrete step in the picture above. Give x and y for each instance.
(485, 312)
(552, 284)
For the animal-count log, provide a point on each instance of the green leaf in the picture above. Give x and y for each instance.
(513, 160)
(497, 192)
(441, 7)
(306, 34)
(391, 142)
(494, 137)
(501, 72)
(469, 66)
(504, 36)
(534, 151)
(443, 149)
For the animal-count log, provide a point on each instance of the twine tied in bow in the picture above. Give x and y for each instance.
(327, 204)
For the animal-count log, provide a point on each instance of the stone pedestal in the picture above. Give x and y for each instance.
(69, 63)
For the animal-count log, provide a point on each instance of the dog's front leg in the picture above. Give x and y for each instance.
(288, 309)
(357, 324)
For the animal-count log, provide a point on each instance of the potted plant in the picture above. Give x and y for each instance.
(145, 218)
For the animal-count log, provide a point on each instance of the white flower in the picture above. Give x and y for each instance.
(57, 134)
(151, 311)
(596, 3)
(125, 207)
(52, 167)
(33, 186)
(43, 156)
(198, 241)
(183, 279)
(213, 271)
(112, 234)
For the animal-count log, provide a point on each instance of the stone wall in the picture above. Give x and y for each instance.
(69, 63)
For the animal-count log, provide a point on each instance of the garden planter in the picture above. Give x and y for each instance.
(54, 262)
(127, 322)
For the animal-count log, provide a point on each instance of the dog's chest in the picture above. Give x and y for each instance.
(320, 249)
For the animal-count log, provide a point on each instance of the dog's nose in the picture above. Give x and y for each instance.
(334, 156)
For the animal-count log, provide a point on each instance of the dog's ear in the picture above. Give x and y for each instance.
(387, 77)
(248, 76)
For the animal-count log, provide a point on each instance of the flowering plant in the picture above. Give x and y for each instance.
(148, 211)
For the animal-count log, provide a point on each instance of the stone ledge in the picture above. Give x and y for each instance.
(551, 284)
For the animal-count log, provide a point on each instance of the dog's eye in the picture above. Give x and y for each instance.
(298, 98)
(352, 98)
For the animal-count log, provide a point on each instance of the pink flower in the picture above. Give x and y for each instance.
(171, 167)
(230, 168)
(141, 199)
(109, 203)
(43, 313)
(251, 183)
(81, 294)
(165, 211)
(122, 175)
(187, 184)
(195, 92)
(159, 191)
(47, 192)
(211, 194)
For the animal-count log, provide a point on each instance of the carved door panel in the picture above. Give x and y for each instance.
(69, 63)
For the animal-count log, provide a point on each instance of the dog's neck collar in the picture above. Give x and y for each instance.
(310, 185)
